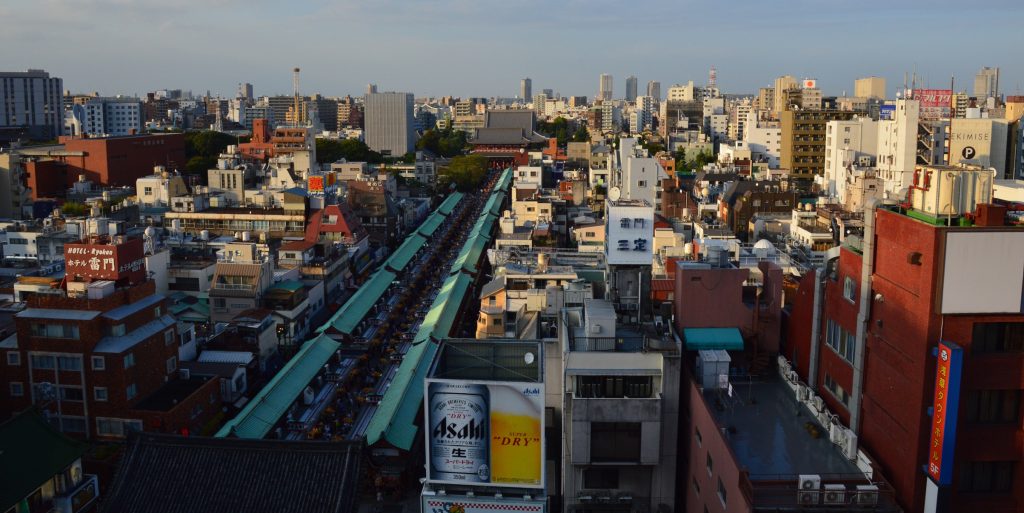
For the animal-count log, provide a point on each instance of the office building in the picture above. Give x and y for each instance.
(986, 83)
(654, 90)
(371, 88)
(245, 91)
(526, 89)
(540, 103)
(684, 93)
(869, 88)
(389, 123)
(109, 117)
(604, 91)
(31, 105)
(630, 88)
(783, 85)
(803, 140)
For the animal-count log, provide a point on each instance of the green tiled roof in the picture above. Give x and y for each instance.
(353, 311)
(403, 255)
(470, 255)
(431, 224)
(273, 401)
(32, 452)
(713, 338)
(449, 203)
(290, 285)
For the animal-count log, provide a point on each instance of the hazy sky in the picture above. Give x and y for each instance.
(483, 47)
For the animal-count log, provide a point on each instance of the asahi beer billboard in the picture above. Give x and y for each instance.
(434, 504)
(485, 433)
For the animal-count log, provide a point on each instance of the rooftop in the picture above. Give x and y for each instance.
(171, 394)
(31, 453)
(768, 433)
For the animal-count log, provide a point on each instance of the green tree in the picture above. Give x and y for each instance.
(467, 172)
(74, 209)
(352, 150)
(446, 143)
(680, 158)
(581, 134)
(559, 129)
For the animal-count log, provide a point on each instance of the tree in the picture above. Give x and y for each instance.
(467, 172)
(700, 160)
(581, 134)
(74, 209)
(680, 158)
(352, 150)
(446, 143)
(559, 129)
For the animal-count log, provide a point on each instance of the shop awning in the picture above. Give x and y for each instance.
(713, 338)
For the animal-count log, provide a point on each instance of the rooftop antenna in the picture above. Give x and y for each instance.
(295, 92)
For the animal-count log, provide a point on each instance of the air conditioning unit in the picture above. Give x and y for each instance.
(849, 446)
(807, 497)
(834, 494)
(802, 393)
(866, 495)
(809, 489)
(818, 402)
(595, 328)
(836, 433)
(185, 373)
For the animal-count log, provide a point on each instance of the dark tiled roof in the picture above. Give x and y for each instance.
(31, 452)
(523, 119)
(172, 474)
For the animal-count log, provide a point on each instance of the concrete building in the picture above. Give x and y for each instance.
(683, 93)
(389, 123)
(631, 91)
(764, 139)
(604, 90)
(869, 88)
(526, 89)
(986, 83)
(654, 90)
(981, 142)
(847, 143)
(240, 280)
(803, 140)
(900, 145)
(32, 105)
(105, 117)
(783, 85)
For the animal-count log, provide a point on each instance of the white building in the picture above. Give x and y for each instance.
(112, 116)
(764, 140)
(897, 146)
(847, 143)
(33, 100)
(683, 93)
(157, 189)
(389, 123)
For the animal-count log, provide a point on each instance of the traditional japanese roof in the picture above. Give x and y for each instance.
(171, 474)
(31, 453)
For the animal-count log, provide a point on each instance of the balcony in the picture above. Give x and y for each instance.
(79, 498)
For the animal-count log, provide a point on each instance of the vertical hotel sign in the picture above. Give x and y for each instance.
(947, 399)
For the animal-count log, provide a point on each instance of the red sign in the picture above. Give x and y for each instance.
(944, 412)
(316, 183)
(106, 261)
(935, 103)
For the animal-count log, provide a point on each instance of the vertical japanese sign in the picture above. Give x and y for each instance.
(947, 401)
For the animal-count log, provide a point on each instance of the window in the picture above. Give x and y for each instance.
(13, 358)
(69, 363)
(147, 190)
(99, 393)
(993, 406)
(168, 337)
(696, 485)
(840, 340)
(698, 437)
(55, 330)
(172, 364)
(836, 390)
(998, 337)
(43, 362)
(156, 312)
(72, 424)
(496, 322)
(849, 289)
(129, 360)
(132, 391)
(987, 476)
(590, 234)
(722, 495)
(17, 389)
(117, 330)
(641, 183)
(601, 478)
(592, 387)
(71, 394)
(116, 427)
(99, 363)
(615, 441)
(710, 464)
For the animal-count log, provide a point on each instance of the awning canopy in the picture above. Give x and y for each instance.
(713, 338)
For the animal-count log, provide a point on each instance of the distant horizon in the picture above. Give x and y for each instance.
(484, 48)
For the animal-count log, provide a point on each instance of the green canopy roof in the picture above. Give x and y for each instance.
(449, 203)
(31, 453)
(403, 255)
(289, 285)
(352, 312)
(431, 224)
(713, 338)
(273, 401)
(469, 257)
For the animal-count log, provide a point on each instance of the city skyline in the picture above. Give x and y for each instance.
(199, 53)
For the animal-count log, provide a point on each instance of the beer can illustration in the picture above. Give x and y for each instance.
(459, 420)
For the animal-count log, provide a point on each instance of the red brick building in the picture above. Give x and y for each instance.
(929, 282)
(100, 354)
(107, 161)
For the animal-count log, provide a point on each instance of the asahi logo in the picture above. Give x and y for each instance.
(471, 430)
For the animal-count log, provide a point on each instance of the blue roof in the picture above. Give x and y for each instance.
(57, 315)
(124, 311)
(713, 338)
(271, 403)
(117, 345)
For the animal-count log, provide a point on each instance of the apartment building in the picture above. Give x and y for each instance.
(803, 140)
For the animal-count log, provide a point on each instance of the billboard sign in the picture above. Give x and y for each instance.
(434, 504)
(935, 103)
(944, 412)
(887, 111)
(486, 433)
(106, 261)
(316, 183)
(810, 83)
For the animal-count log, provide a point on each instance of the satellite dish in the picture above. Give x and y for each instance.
(528, 358)
(614, 194)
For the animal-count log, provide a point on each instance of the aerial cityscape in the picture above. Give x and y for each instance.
(295, 283)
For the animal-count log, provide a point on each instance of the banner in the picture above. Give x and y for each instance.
(947, 402)
(485, 433)
(935, 103)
